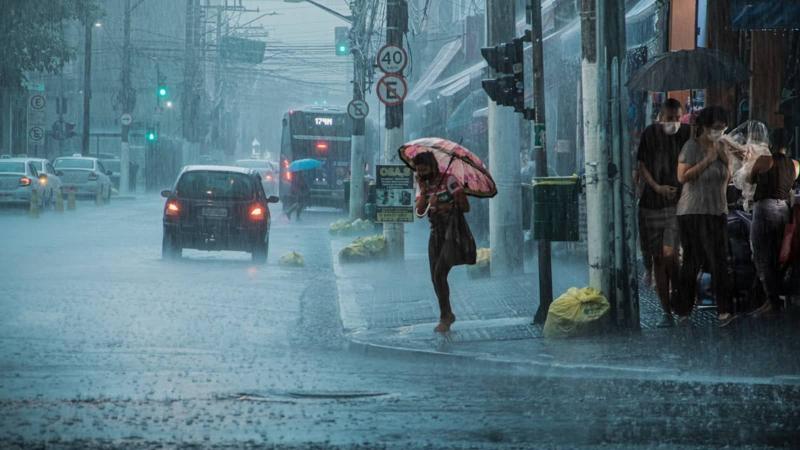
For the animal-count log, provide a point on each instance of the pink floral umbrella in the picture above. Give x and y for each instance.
(453, 160)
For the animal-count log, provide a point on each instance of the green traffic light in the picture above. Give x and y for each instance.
(162, 92)
(151, 136)
(342, 50)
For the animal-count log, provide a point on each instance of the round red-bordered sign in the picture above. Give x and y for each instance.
(392, 89)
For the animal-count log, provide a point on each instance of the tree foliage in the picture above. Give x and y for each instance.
(31, 32)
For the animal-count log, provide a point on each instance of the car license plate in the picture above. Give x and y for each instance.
(215, 212)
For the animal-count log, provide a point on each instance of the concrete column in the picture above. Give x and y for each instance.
(505, 209)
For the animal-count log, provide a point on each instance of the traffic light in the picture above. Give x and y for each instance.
(151, 135)
(342, 41)
(508, 88)
(162, 91)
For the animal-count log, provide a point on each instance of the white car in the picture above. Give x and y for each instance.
(267, 170)
(50, 178)
(18, 180)
(86, 175)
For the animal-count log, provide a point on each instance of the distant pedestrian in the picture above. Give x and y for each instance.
(702, 214)
(298, 194)
(774, 177)
(659, 147)
(443, 199)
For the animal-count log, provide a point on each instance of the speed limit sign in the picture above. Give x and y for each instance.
(392, 59)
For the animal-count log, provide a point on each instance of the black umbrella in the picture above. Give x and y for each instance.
(688, 69)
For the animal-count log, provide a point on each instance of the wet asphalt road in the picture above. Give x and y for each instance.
(104, 345)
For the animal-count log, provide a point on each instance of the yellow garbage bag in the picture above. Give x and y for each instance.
(483, 261)
(577, 312)
(292, 259)
(364, 249)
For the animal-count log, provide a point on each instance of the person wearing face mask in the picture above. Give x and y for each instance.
(658, 152)
(774, 177)
(702, 214)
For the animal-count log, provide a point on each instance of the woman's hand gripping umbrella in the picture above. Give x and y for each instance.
(446, 174)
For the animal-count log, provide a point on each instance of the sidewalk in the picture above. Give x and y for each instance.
(392, 307)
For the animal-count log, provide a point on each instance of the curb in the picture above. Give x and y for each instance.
(354, 325)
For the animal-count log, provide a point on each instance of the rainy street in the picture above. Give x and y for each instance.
(399, 224)
(105, 344)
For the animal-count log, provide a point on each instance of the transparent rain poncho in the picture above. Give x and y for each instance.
(748, 141)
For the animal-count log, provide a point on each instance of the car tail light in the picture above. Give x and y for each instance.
(172, 208)
(92, 176)
(24, 181)
(288, 176)
(269, 177)
(257, 212)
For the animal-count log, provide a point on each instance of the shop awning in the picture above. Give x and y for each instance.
(460, 78)
(440, 63)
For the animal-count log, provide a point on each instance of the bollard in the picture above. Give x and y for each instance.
(71, 198)
(98, 197)
(34, 208)
(60, 201)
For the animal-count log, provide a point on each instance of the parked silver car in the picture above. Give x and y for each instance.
(18, 180)
(85, 174)
(267, 170)
(50, 178)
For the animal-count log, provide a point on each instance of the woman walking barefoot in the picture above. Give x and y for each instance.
(442, 198)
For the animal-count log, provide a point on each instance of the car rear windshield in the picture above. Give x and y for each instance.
(16, 167)
(74, 164)
(215, 185)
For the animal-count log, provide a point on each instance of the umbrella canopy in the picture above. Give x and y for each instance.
(304, 164)
(453, 160)
(689, 69)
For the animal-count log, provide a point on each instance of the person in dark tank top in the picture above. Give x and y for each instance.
(774, 176)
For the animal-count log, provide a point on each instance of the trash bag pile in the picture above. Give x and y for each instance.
(346, 227)
(752, 139)
(292, 259)
(577, 312)
(482, 266)
(367, 248)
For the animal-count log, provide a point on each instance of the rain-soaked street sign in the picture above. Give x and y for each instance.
(37, 112)
(394, 194)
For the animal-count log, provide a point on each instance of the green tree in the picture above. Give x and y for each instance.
(32, 37)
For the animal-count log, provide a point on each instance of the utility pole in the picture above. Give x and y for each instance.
(596, 159)
(610, 202)
(396, 25)
(190, 98)
(357, 140)
(505, 209)
(87, 81)
(127, 103)
(612, 108)
(545, 267)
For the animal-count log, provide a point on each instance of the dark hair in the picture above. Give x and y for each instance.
(426, 159)
(672, 104)
(779, 139)
(710, 115)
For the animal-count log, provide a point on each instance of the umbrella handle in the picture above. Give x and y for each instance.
(441, 176)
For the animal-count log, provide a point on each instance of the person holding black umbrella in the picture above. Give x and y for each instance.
(659, 147)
